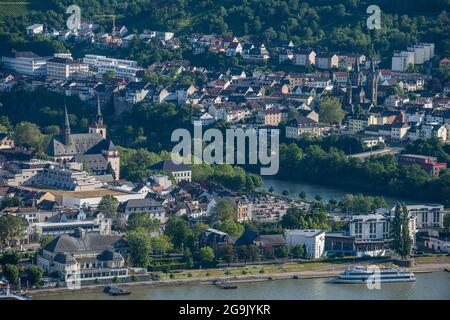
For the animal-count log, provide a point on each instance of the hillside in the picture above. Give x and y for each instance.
(324, 24)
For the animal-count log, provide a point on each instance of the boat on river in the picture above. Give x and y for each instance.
(373, 274)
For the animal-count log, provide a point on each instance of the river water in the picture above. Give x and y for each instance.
(313, 190)
(432, 286)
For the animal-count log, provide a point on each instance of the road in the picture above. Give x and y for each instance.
(387, 150)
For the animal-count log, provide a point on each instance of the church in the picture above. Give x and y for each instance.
(98, 154)
(356, 92)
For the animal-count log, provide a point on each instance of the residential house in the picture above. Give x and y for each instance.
(326, 61)
(304, 57)
(180, 172)
(303, 126)
(6, 141)
(428, 216)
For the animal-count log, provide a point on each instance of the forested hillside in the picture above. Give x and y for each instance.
(326, 24)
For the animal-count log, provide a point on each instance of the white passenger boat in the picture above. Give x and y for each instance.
(373, 274)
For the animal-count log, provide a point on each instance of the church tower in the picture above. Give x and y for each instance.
(98, 126)
(357, 75)
(349, 98)
(372, 83)
(65, 128)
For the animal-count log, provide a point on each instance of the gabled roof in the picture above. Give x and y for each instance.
(170, 166)
(89, 242)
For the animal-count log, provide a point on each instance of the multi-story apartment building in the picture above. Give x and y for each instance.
(63, 224)
(428, 216)
(122, 68)
(65, 68)
(270, 117)
(427, 163)
(402, 60)
(25, 63)
(372, 232)
(304, 57)
(326, 61)
(153, 208)
(306, 127)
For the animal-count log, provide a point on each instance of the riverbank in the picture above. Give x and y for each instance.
(210, 280)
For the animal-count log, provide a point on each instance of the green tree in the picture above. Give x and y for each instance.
(330, 110)
(281, 251)
(109, 204)
(9, 202)
(224, 210)
(27, 134)
(298, 251)
(161, 244)
(206, 255)
(34, 275)
(10, 257)
(139, 248)
(46, 240)
(227, 253)
(401, 238)
(232, 227)
(109, 75)
(143, 220)
(447, 221)
(11, 229)
(11, 272)
(406, 237)
(179, 233)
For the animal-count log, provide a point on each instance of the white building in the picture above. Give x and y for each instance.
(83, 257)
(313, 240)
(65, 68)
(402, 60)
(369, 227)
(428, 216)
(438, 245)
(122, 68)
(100, 224)
(35, 29)
(423, 52)
(25, 63)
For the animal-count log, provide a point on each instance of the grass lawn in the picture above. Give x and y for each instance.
(247, 270)
(432, 259)
(279, 268)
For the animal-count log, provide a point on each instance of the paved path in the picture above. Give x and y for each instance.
(388, 150)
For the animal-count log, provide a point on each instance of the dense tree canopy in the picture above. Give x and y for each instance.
(326, 24)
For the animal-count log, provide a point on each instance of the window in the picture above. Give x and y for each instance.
(436, 217)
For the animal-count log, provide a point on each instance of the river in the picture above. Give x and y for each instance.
(325, 192)
(432, 286)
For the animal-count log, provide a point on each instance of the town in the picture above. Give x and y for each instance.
(84, 203)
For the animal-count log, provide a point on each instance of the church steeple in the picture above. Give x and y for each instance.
(98, 126)
(349, 92)
(65, 129)
(372, 83)
(99, 117)
(357, 74)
